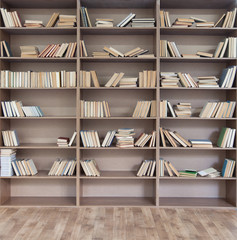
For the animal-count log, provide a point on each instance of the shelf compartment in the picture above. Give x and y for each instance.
(117, 118)
(200, 89)
(116, 88)
(117, 148)
(38, 118)
(198, 118)
(117, 201)
(195, 148)
(197, 178)
(117, 59)
(51, 60)
(71, 88)
(196, 60)
(39, 146)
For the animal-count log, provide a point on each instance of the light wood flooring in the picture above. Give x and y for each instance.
(116, 223)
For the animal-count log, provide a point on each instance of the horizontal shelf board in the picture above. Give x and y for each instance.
(201, 59)
(194, 202)
(197, 178)
(117, 201)
(118, 30)
(197, 118)
(195, 148)
(199, 89)
(19, 59)
(43, 174)
(40, 31)
(40, 201)
(11, 88)
(39, 146)
(117, 148)
(197, 31)
(118, 118)
(38, 118)
(117, 175)
(117, 59)
(117, 88)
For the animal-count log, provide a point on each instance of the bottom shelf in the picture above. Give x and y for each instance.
(195, 202)
(117, 201)
(40, 201)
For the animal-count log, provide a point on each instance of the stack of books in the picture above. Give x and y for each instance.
(201, 143)
(128, 82)
(10, 19)
(24, 167)
(209, 172)
(104, 22)
(126, 20)
(125, 138)
(145, 109)
(171, 170)
(147, 168)
(90, 168)
(86, 22)
(86, 77)
(67, 50)
(226, 138)
(94, 109)
(144, 138)
(208, 82)
(52, 21)
(204, 54)
(218, 110)
(188, 173)
(227, 20)
(147, 78)
(5, 50)
(183, 110)
(100, 54)
(227, 77)
(114, 80)
(166, 109)
(109, 137)
(183, 22)
(10, 138)
(63, 167)
(83, 50)
(143, 22)
(29, 51)
(164, 19)
(166, 46)
(16, 109)
(90, 138)
(6, 158)
(228, 168)
(33, 23)
(169, 80)
(62, 141)
(67, 21)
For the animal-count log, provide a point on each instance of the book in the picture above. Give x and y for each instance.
(126, 20)
(7, 157)
(10, 138)
(52, 21)
(226, 138)
(90, 138)
(147, 168)
(85, 17)
(10, 19)
(63, 167)
(90, 168)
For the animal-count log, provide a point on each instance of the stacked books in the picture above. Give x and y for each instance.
(67, 21)
(228, 168)
(128, 82)
(33, 23)
(83, 50)
(29, 51)
(62, 141)
(62, 167)
(183, 22)
(209, 172)
(143, 22)
(108, 138)
(226, 138)
(100, 54)
(169, 80)
(104, 22)
(10, 138)
(227, 77)
(85, 78)
(171, 47)
(125, 138)
(85, 19)
(145, 109)
(5, 50)
(201, 143)
(172, 138)
(94, 109)
(147, 168)
(114, 80)
(126, 20)
(52, 21)
(16, 109)
(218, 110)
(6, 158)
(164, 19)
(90, 138)
(90, 168)
(208, 82)
(10, 19)
(24, 167)
(144, 138)
(171, 170)
(29, 79)
(183, 110)
(188, 173)
(166, 109)
(147, 78)
(67, 50)
(204, 54)
(227, 20)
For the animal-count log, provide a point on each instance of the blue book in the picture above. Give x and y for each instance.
(224, 168)
(222, 80)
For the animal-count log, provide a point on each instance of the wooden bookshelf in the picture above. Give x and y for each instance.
(118, 184)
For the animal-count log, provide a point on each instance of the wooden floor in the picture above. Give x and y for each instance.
(116, 223)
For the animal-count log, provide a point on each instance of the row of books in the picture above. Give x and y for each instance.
(85, 19)
(10, 19)
(6, 158)
(16, 109)
(226, 48)
(218, 110)
(145, 109)
(10, 138)
(147, 168)
(90, 138)
(85, 78)
(65, 141)
(5, 50)
(90, 168)
(94, 109)
(62, 167)
(144, 138)
(226, 138)
(24, 167)
(114, 80)
(192, 22)
(29, 79)
(147, 78)
(83, 50)
(228, 168)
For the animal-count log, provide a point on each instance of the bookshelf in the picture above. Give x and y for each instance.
(118, 184)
